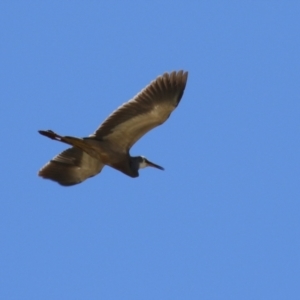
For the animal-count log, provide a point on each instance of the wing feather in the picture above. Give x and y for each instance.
(70, 167)
(148, 109)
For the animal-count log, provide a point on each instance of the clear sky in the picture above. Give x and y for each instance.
(222, 221)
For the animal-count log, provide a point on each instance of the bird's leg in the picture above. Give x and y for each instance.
(70, 140)
(52, 135)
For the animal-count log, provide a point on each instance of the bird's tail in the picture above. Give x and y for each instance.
(70, 140)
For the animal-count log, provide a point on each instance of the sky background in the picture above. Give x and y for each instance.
(222, 221)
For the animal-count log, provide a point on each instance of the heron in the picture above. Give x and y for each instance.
(111, 142)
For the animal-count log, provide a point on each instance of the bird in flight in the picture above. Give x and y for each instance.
(111, 142)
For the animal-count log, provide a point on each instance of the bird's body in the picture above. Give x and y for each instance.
(111, 142)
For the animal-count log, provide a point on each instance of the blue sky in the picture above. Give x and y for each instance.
(222, 221)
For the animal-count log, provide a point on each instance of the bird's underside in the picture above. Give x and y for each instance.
(111, 142)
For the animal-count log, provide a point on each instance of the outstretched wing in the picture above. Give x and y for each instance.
(70, 167)
(148, 109)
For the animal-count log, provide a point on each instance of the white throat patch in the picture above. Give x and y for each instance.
(143, 165)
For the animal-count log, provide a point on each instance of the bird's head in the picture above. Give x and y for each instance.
(143, 162)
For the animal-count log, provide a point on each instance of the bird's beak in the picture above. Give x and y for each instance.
(151, 164)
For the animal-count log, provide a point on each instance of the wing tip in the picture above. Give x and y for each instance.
(51, 173)
(178, 79)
